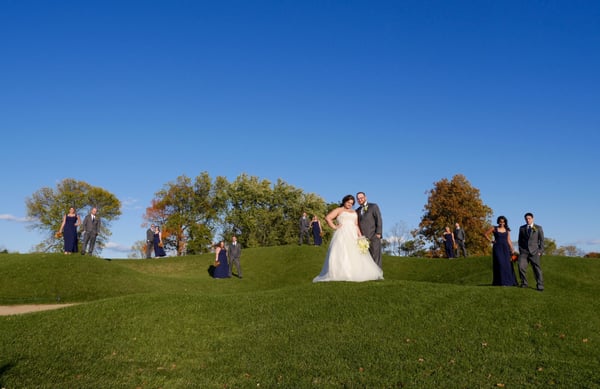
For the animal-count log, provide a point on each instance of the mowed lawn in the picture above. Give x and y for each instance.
(164, 323)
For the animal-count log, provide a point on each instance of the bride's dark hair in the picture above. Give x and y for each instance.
(346, 198)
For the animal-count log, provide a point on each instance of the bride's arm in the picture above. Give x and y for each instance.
(332, 215)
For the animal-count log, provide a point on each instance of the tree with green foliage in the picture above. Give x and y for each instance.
(265, 215)
(189, 212)
(47, 206)
(456, 201)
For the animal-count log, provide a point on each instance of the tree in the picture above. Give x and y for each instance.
(396, 237)
(455, 201)
(47, 206)
(265, 215)
(188, 212)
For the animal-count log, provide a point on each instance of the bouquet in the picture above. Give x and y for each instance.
(217, 263)
(58, 235)
(514, 256)
(363, 244)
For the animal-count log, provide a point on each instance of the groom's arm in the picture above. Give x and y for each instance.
(378, 220)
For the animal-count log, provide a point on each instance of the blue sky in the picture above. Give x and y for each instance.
(333, 97)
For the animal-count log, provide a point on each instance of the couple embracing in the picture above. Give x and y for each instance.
(347, 259)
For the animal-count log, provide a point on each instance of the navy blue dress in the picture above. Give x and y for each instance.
(449, 245)
(158, 251)
(70, 234)
(222, 271)
(316, 230)
(502, 267)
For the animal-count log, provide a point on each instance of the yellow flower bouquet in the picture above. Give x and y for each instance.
(363, 244)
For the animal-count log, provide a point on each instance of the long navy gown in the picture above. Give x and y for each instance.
(222, 271)
(448, 245)
(158, 251)
(70, 234)
(502, 267)
(316, 230)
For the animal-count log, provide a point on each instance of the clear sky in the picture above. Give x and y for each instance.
(333, 97)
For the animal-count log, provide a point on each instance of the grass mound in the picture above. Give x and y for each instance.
(166, 323)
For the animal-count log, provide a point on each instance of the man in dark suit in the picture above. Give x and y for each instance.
(459, 237)
(91, 228)
(234, 253)
(304, 226)
(149, 241)
(371, 225)
(531, 248)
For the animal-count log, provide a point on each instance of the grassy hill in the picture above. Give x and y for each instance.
(166, 324)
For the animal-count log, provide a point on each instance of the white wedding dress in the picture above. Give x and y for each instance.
(344, 260)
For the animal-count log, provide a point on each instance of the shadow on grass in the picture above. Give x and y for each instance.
(3, 369)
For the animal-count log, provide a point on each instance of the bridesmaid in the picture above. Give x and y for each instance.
(315, 224)
(502, 268)
(221, 270)
(69, 230)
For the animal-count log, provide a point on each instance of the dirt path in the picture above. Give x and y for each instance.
(6, 310)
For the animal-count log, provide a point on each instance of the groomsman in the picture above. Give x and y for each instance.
(371, 225)
(304, 226)
(91, 228)
(234, 253)
(531, 248)
(149, 241)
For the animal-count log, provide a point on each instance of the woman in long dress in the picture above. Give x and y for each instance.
(159, 251)
(68, 229)
(449, 242)
(345, 261)
(222, 269)
(502, 267)
(315, 224)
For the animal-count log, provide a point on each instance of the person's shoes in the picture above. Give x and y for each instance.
(83, 253)
(540, 289)
(524, 286)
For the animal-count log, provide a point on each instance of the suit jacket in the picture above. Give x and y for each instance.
(370, 221)
(459, 234)
(149, 235)
(91, 226)
(235, 252)
(533, 243)
(304, 224)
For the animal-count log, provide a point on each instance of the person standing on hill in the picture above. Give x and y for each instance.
(371, 225)
(234, 253)
(459, 237)
(149, 241)
(531, 248)
(304, 225)
(68, 229)
(503, 273)
(91, 227)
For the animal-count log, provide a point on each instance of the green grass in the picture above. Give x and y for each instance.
(166, 324)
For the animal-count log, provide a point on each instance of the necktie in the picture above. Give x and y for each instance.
(528, 230)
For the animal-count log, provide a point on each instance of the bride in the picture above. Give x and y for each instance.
(345, 261)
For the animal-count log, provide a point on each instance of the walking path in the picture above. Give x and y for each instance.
(6, 310)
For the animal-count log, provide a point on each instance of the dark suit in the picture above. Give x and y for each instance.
(234, 253)
(459, 237)
(371, 225)
(149, 242)
(304, 226)
(91, 227)
(531, 248)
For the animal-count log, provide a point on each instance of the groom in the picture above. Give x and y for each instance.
(531, 248)
(370, 223)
